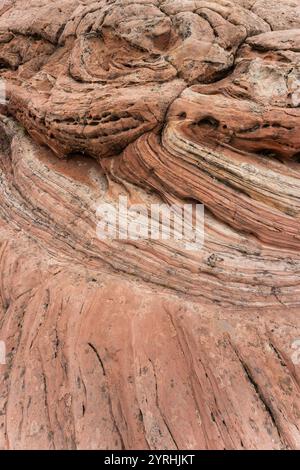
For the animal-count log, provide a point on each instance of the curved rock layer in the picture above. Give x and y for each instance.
(142, 344)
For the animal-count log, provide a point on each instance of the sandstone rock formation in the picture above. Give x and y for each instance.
(122, 344)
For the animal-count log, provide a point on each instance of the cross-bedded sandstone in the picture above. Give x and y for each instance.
(141, 344)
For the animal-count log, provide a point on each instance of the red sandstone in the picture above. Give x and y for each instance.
(142, 345)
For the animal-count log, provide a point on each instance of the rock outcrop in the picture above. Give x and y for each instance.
(137, 344)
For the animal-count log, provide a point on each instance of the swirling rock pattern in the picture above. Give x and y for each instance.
(142, 344)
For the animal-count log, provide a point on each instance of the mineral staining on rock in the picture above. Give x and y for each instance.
(126, 345)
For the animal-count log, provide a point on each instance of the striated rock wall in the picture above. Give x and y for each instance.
(141, 344)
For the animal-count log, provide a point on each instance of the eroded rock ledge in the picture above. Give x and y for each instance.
(143, 344)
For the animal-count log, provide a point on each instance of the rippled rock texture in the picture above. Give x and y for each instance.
(141, 344)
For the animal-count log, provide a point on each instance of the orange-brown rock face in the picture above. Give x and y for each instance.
(137, 344)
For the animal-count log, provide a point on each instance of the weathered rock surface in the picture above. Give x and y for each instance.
(124, 345)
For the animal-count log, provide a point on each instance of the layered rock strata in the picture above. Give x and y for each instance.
(125, 344)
